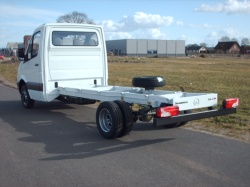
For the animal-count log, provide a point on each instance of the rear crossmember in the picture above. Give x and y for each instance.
(192, 116)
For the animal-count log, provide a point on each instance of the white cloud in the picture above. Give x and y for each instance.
(157, 34)
(230, 32)
(180, 23)
(151, 34)
(182, 37)
(229, 7)
(213, 35)
(117, 35)
(204, 26)
(191, 40)
(110, 25)
(142, 34)
(143, 20)
(212, 38)
(138, 25)
(138, 21)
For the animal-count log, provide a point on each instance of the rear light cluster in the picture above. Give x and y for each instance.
(231, 103)
(167, 111)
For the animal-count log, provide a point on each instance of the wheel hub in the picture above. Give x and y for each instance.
(105, 120)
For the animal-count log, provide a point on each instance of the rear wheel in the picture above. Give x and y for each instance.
(184, 122)
(109, 120)
(175, 125)
(127, 116)
(25, 98)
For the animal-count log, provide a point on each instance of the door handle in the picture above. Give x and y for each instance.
(36, 64)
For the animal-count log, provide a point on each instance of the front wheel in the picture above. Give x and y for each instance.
(25, 98)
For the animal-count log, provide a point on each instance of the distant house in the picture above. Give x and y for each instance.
(12, 48)
(245, 49)
(195, 49)
(210, 50)
(227, 48)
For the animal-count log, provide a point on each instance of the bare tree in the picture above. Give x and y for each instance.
(234, 40)
(245, 41)
(75, 17)
(203, 44)
(224, 39)
(227, 39)
(189, 45)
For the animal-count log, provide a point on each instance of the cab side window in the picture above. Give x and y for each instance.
(35, 44)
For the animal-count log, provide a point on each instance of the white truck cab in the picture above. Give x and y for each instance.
(69, 62)
(65, 55)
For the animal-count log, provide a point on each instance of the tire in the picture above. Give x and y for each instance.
(27, 102)
(185, 122)
(176, 125)
(148, 82)
(127, 116)
(109, 120)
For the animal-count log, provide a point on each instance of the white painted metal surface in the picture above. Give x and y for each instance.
(185, 100)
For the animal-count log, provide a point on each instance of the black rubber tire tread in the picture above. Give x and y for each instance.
(127, 116)
(185, 122)
(176, 125)
(148, 82)
(116, 117)
(27, 102)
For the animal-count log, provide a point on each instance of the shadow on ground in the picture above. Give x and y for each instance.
(62, 136)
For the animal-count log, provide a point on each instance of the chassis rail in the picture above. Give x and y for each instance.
(185, 100)
(193, 116)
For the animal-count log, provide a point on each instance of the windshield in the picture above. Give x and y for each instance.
(72, 38)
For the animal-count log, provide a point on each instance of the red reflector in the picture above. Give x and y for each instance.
(167, 111)
(231, 103)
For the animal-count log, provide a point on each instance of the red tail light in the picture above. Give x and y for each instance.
(167, 111)
(231, 103)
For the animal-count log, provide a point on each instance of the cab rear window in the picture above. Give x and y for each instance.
(69, 38)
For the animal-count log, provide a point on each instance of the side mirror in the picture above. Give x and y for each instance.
(20, 52)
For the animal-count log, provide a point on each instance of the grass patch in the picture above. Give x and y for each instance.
(8, 71)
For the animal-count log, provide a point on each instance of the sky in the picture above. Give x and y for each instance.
(195, 21)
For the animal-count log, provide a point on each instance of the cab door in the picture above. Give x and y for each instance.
(33, 67)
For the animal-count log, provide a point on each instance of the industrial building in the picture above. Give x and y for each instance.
(144, 47)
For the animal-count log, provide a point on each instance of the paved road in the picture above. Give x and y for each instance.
(56, 144)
